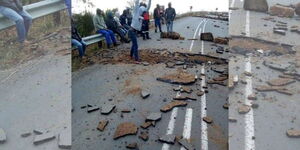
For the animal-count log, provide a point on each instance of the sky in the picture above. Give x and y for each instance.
(181, 6)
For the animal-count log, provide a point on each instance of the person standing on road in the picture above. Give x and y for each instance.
(136, 26)
(101, 28)
(146, 21)
(13, 10)
(77, 40)
(157, 18)
(170, 15)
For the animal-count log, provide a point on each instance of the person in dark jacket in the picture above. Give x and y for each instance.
(13, 10)
(77, 40)
(157, 18)
(124, 20)
(170, 15)
(145, 25)
(113, 25)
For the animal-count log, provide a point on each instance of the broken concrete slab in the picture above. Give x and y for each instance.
(180, 77)
(256, 5)
(92, 109)
(293, 133)
(221, 40)
(207, 119)
(254, 105)
(172, 104)
(25, 134)
(39, 131)
(147, 124)
(282, 11)
(207, 36)
(220, 78)
(154, 116)
(184, 97)
(243, 109)
(2, 136)
(169, 138)
(200, 93)
(252, 96)
(102, 124)
(132, 146)
(230, 119)
(125, 128)
(145, 94)
(266, 88)
(107, 109)
(144, 136)
(65, 140)
(184, 142)
(279, 31)
(42, 138)
(170, 65)
(280, 82)
(216, 82)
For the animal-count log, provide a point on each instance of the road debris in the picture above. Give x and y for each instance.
(147, 124)
(144, 135)
(26, 134)
(282, 11)
(184, 142)
(221, 40)
(125, 128)
(39, 131)
(42, 138)
(207, 36)
(2, 136)
(169, 138)
(178, 77)
(207, 119)
(252, 96)
(172, 104)
(102, 124)
(183, 97)
(243, 109)
(200, 93)
(132, 146)
(153, 117)
(226, 106)
(92, 109)
(107, 109)
(293, 133)
(171, 35)
(280, 82)
(145, 94)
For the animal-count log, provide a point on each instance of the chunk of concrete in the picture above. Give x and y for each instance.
(153, 117)
(39, 131)
(2, 136)
(147, 124)
(252, 96)
(42, 138)
(102, 124)
(244, 109)
(92, 109)
(124, 129)
(208, 36)
(171, 105)
(145, 94)
(184, 142)
(169, 138)
(107, 109)
(144, 136)
(293, 133)
(282, 11)
(132, 146)
(65, 139)
(297, 9)
(26, 134)
(207, 119)
(280, 82)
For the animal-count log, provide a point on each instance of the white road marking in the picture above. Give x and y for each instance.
(249, 119)
(202, 42)
(204, 139)
(192, 44)
(247, 26)
(171, 124)
(187, 125)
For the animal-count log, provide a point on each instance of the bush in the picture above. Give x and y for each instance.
(84, 23)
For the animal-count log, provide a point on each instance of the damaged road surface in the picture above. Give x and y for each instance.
(155, 118)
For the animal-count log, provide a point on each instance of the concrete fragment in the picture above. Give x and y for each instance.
(254, 105)
(39, 131)
(256, 5)
(279, 31)
(125, 110)
(26, 134)
(184, 142)
(170, 65)
(221, 40)
(220, 78)
(125, 128)
(145, 94)
(146, 124)
(252, 96)
(208, 36)
(200, 93)
(153, 117)
(172, 104)
(232, 119)
(216, 82)
(243, 109)
(145, 63)
(65, 139)
(280, 82)
(169, 138)
(132, 146)
(207, 119)
(2, 136)
(102, 124)
(107, 109)
(282, 11)
(92, 109)
(226, 106)
(42, 138)
(144, 136)
(293, 133)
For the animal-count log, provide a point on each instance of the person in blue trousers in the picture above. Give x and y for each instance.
(101, 28)
(157, 18)
(77, 40)
(170, 15)
(13, 10)
(136, 25)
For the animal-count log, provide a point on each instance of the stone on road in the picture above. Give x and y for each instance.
(107, 109)
(244, 109)
(153, 117)
(144, 136)
(208, 120)
(102, 124)
(145, 94)
(42, 138)
(178, 78)
(172, 104)
(293, 133)
(132, 146)
(169, 138)
(184, 142)
(125, 128)
(280, 82)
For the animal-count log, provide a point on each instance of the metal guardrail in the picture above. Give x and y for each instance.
(36, 10)
(93, 39)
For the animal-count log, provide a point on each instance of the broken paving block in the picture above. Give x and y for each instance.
(244, 109)
(107, 109)
(186, 89)
(200, 93)
(178, 78)
(279, 31)
(145, 94)
(169, 138)
(220, 78)
(153, 117)
(293, 133)
(226, 106)
(132, 146)
(254, 105)
(147, 124)
(280, 82)
(221, 40)
(172, 104)
(186, 144)
(208, 36)
(252, 96)
(39, 131)
(170, 65)
(216, 82)
(25, 134)
(230, 119)
(144, 136)
(256, 5)
(208, 120)
(102, 124)
(2, 136)
(42, 138)
(282, 11)
(92, 109)
(184, 97)
(125, 128)
(65, 139)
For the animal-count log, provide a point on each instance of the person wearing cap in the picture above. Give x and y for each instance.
(101, 28)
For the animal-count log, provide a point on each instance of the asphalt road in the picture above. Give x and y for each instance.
(36, 95)
(114, 84)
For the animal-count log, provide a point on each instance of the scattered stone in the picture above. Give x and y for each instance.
(252, 96)
(208, 120)
(208, 36)
(169, 138)
(267, 88)
(280, 82)
(172, 104)
(232, 119)
(2, 136)
(125, 110)
(186, 89)
(220, 50)
(179, 63)
(216, 82)
(146, 124)
(220, 78)
(170, 65)
(145, 94)
(285, 91)
(282, 11)
(39, 131)
(248, 73)
(144, 136)
(125, 128)
(42, 138)
(226, 106)
(178, 78)
(254, 105)
(92, 109)
(184, 97)
(145, 63)
(107, 109)
(25, 134)
(220, 40)
(244, 109)
(293, 133)
(132, 146)
(153, 117)
(256, 5)
(172, 35)
(279, 31)
(200, 93)
(65, 140)
(243, 81)
(186, 144)
(102, 124)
